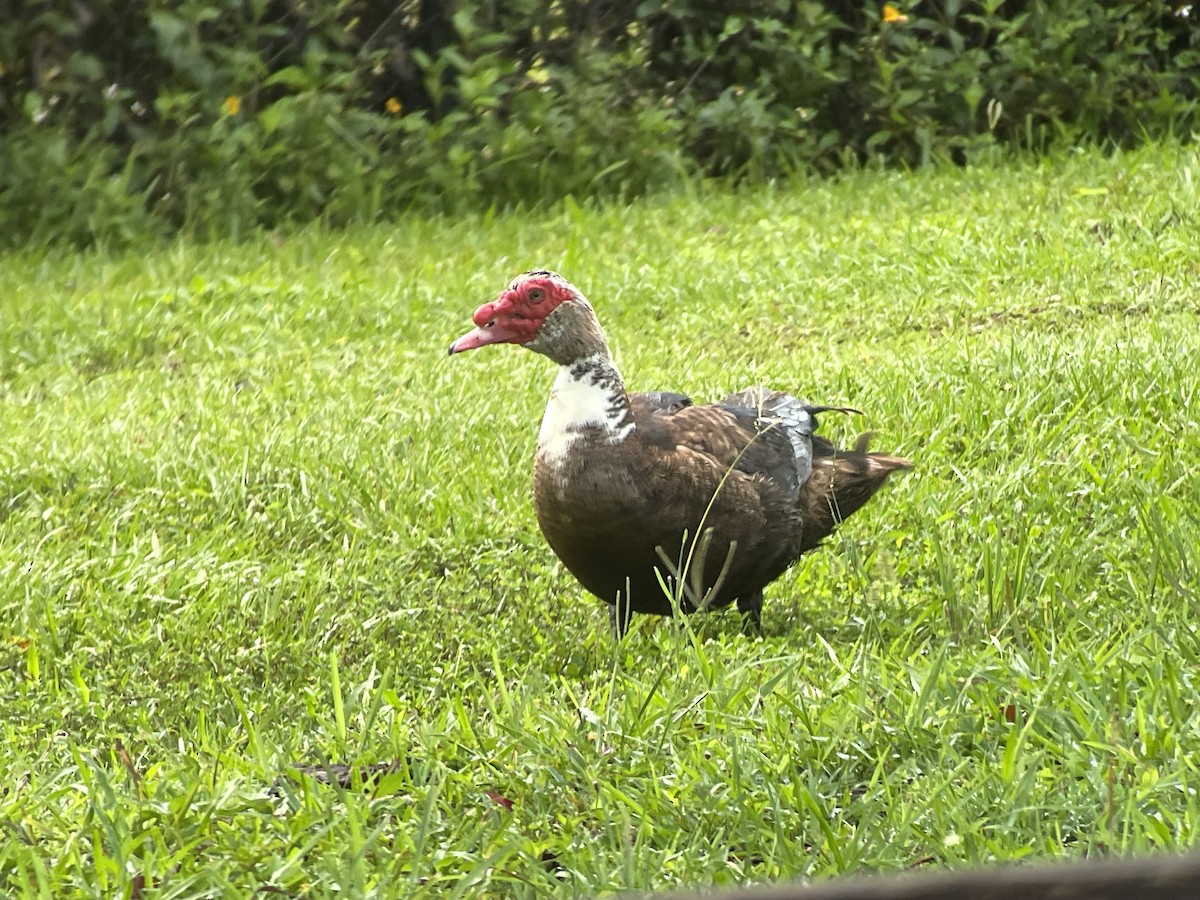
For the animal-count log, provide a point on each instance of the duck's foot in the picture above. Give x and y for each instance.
(750, 606)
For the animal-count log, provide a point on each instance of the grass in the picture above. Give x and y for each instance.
(252, 515)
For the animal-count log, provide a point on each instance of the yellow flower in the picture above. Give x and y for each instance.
(891, 14)
(232, 105)
(393, 106)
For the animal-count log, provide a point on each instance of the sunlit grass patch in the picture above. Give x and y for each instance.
(251, 515)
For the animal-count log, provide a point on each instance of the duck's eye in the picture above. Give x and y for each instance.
(536, 295)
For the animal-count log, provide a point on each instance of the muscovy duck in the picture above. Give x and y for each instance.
(657, 504)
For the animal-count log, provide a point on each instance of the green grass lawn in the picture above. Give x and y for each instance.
(252, 515)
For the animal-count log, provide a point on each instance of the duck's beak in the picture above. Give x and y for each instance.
(492, 332)
(493, 326)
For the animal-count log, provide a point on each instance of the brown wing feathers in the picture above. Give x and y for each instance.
(841, 480)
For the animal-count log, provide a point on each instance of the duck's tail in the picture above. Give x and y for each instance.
(840, 483)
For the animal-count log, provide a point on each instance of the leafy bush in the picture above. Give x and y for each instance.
(122, 119)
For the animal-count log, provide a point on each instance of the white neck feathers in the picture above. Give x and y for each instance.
(587, 397)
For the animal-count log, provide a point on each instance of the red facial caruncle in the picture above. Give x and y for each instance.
(516, 315)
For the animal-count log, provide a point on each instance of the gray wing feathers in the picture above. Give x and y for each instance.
(791, 416)
(662, 402)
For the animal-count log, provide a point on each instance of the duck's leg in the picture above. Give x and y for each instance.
(619, 615)
(750, 606)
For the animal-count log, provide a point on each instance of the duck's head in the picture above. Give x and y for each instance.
(541, 311)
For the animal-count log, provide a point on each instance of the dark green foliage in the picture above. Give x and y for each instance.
(120, 118)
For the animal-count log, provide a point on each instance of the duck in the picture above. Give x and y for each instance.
(659, 505)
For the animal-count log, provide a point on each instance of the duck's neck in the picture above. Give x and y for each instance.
(588, 400)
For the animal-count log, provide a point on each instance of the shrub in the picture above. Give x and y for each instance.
(123, 119)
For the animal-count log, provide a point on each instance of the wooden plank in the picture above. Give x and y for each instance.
(1147, 878)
